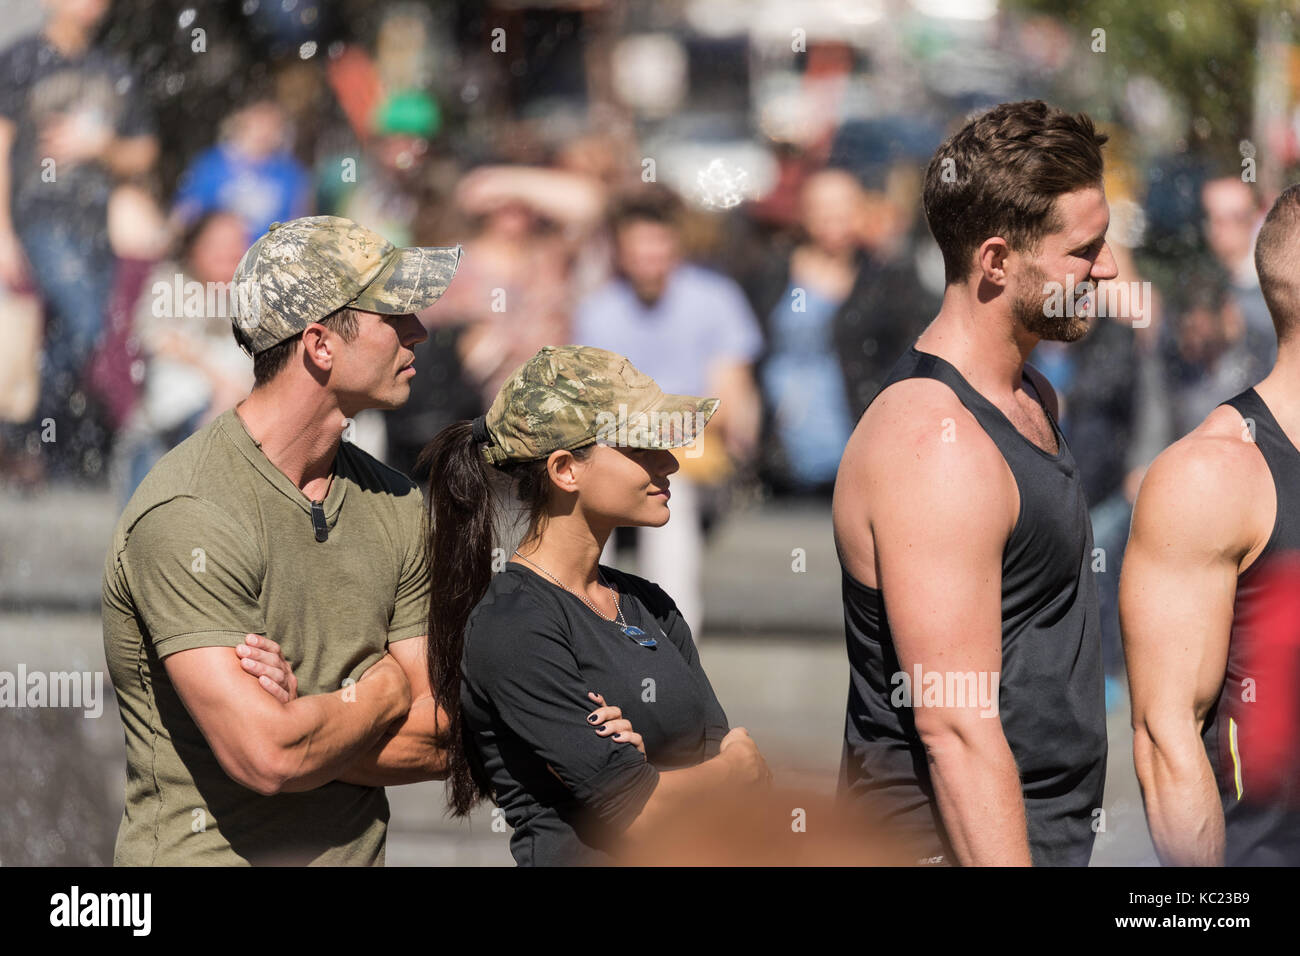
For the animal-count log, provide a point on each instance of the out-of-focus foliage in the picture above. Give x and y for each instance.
(1203, 52)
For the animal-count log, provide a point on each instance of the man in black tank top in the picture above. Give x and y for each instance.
(976, 719)
(1210, 608)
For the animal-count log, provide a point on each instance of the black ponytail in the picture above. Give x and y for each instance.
(463, 515)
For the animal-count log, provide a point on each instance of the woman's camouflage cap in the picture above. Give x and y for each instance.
(569, 396)
(301, 271)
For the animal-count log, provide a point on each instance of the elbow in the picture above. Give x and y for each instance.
(262, 767)
(948, 736)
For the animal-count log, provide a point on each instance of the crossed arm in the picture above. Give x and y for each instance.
(361, 734)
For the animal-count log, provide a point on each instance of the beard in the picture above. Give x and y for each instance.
(1029, 309)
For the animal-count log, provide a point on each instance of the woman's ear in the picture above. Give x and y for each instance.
(561, 466)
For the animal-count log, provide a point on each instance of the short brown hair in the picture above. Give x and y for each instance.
(1277, 257)
(1000, 174)
(268, 363)
(652, 203)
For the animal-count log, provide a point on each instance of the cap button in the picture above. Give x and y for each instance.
(274, 226)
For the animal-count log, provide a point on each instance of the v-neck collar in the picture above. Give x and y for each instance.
(251, 449)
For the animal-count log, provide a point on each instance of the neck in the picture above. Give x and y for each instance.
(980, 339)
(1280, 389)
(67, 36)
(569, 548)
(299, 429)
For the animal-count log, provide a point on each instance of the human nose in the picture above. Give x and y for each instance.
(413, 331)
(1105, 267)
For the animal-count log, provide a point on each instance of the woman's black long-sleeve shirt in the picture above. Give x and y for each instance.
(532, 652)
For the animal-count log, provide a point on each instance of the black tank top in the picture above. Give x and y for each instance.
(1050, 695)
(1252, 733)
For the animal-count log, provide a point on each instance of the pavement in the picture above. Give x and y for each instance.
(772, 644)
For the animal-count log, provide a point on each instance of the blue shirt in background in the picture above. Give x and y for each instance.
(260, 192)
(701, 318)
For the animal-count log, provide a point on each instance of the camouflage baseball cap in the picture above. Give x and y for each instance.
(301, 271)
(569, 396)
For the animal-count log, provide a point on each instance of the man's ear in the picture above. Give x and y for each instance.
(317, 347)
(991, 260)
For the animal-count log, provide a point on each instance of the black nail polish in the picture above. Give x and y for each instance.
(591, 718)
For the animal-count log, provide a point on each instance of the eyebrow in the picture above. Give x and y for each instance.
(1094, 240)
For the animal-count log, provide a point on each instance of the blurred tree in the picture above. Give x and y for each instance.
(1203, 52)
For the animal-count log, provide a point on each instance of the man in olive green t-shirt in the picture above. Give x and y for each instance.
(265, 592)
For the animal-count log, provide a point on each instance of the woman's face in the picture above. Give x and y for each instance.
(617, 485)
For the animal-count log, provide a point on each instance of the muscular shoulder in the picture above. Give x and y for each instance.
(919, 468)
(918, 430)
(1206, 490)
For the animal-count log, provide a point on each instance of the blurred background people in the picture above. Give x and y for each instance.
(250, 172)
(693, 332)
(193, 371)
(73, 122)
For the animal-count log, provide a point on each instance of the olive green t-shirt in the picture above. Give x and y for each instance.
(217, 543)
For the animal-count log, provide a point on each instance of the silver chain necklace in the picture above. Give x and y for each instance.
(631, 630)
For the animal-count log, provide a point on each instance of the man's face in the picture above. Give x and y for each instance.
(647, 255)
(375, 369)
(1230, 217)
(1076, 253)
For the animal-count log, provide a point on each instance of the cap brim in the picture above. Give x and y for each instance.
(412, 279)
(671, 421)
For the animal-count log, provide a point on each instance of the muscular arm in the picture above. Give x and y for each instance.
(942, 503)
(408, 751)
(1176, 598)
(273, 747)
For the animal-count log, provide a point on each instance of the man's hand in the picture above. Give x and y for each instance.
(261, 658)
(409, 752)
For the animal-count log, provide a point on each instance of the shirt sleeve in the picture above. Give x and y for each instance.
(411, 604)
(195, 577)
(679, 632)
(524, 666)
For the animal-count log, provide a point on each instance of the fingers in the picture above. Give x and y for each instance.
(261, 658)
(602, 714)
(631, 737)
(274, 689)
(613, 727)
(257, 640)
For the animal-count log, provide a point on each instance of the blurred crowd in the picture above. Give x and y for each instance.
(790, 305)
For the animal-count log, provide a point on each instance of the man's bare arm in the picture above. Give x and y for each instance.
(408, 752)
(943, 502)
(1177, 589)
(273, 747)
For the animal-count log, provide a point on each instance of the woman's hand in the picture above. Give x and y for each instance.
(615, 725)
(261, 658)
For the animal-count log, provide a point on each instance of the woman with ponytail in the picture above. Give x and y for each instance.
(582, 437)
